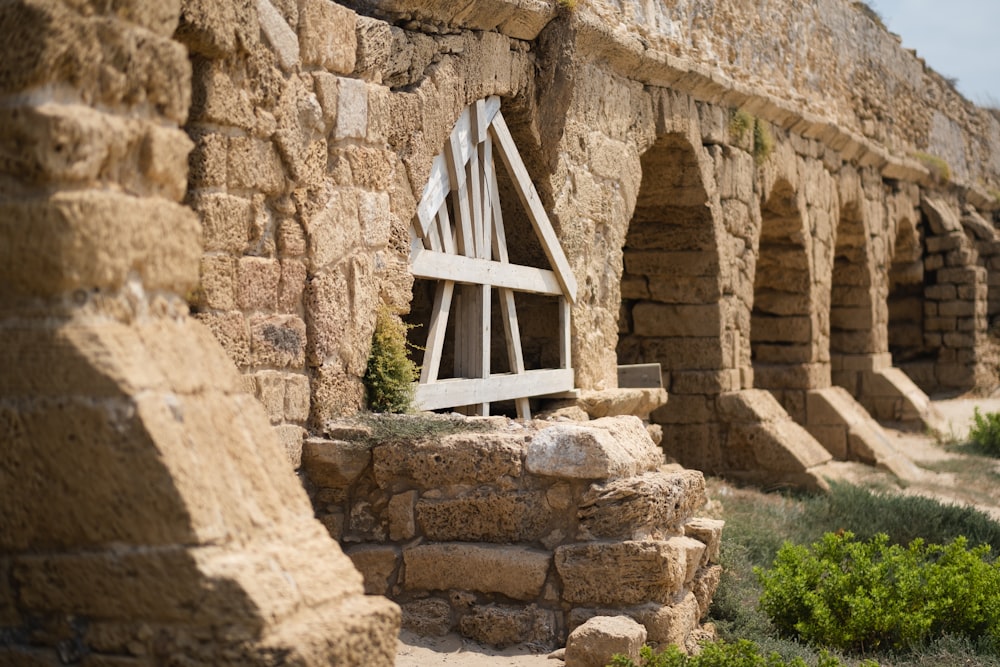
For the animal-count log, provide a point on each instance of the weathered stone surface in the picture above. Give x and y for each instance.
(624, 573)
(709, 533)
(705, 583)
(516, 572)
(377, 564)
(501, 625)
(485, 517)
(651, 504)
(475, 458)
(603, 449)
(334, 463)
(594, 643)
(429, 617)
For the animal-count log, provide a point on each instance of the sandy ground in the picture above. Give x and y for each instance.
(942, 473)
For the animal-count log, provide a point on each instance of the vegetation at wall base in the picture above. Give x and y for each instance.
(742, 653)
(938, 166)
(985, 432)
(390, 374)
(757, 525)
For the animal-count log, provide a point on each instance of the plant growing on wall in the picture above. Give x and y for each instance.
(742, 123)
(390, 374)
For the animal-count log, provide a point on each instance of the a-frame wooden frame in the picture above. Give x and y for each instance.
(468, 256)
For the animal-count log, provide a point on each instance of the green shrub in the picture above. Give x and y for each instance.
(742, 653)
(865, 596)
(985, 431)
(390, 374)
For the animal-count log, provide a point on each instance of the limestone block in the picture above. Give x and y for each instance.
(686, 409)
(485, 516)
(297, 395)
(628, 401)
(327, 36)
(709, 533)
(689, 353)
(257, 283)
(460, 458)
(375, 42)
(254, 164)
(706, 582)
(595, 642)
(605, 448)
(377, 564)
(290, 437)
(516, 572)
(792, 376)
(401, 512)
(705, 382)
(225, 221)
(279, 35)
(652, 504)
(96, 239)
(292, 286)
(657, 319)
(943, 219)
(428, 617)
(270, 391)
(334, 230)
(833, 438)
(352, 107)
(622, 573)
(502, 625)
(207, 162)
(231, 331)
(376, 221)
(780, 446)
(334, 464)
(277, 340)
(207, 27)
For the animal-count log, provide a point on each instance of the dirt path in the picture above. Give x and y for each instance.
(945, 473)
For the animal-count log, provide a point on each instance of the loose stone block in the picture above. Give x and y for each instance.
(709, 533)
(595, 642)
(604, 449)
(401, 511)
(501, 625)
(485, 516)
(654, 503)
(621, 573)
(516, 572)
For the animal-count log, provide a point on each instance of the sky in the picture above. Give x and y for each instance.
(957, 38)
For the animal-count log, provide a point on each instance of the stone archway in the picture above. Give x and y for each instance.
(906, 302)
(852, 308)
(782, 339)
(672, 298)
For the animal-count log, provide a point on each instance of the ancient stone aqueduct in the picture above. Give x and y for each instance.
(204, 203)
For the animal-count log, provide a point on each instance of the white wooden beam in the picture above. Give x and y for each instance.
(498, 387)
(434, 347)
(533, 205)
(442, 266)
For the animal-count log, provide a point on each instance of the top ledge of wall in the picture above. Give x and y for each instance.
(519, 19)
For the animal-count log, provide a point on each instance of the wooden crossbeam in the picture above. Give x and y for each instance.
(443, 266)
(497, 387)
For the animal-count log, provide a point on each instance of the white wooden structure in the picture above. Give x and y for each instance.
(468, 257)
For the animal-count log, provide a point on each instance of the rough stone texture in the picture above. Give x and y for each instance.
(593, 643)
(502, 625)
(512, 571)
(640, 506)
(146, 495)
(606, 448)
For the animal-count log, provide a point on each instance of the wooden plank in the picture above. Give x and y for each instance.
(446, 231)
(512, 337)
(565, 334)
(640, 375)
(434, 347)
(441, 266)
(475, 186)
(499, 387)
(533, 205)
(479, 122)
(458, 149)
(486, 160)
(435, 192)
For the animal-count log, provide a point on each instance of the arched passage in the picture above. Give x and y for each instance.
(906, 300)
(671, 310)
(781, 324)
(852, 308)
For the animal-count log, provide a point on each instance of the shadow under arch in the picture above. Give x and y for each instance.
(783, 345)
(672, 295)
(906, 302)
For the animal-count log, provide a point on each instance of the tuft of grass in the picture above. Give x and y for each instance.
(740, 123)
(985, 431)
(395, 427)
(873, 15)
(938, 166)
(569, 5)
(763, 141)
(390, 374)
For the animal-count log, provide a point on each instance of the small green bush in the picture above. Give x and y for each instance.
(985, 431)
(390, 374)
(864, 596)
(742, 653)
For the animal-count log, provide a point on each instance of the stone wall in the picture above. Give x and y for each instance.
(149, 514)
(510, 532)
